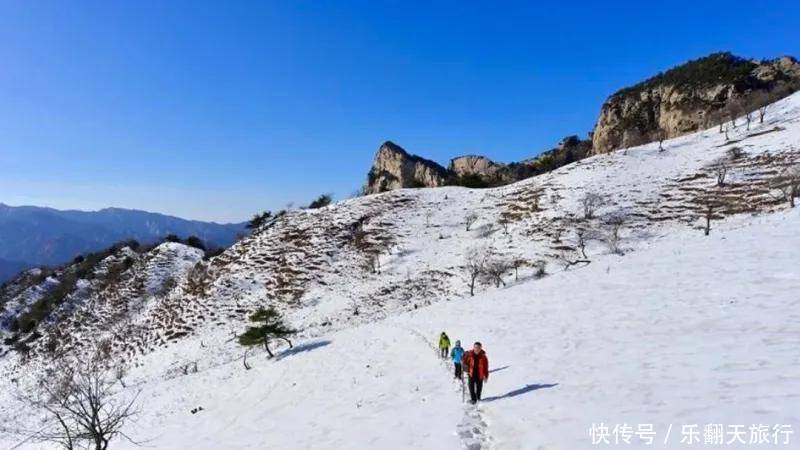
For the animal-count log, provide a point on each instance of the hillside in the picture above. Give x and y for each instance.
(634, 334)
(689, 97)
(35, 236)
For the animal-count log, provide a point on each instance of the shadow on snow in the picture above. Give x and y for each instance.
(499, 369)
(520, 391)
(304, 347)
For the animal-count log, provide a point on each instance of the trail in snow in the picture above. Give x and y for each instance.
(473, 429)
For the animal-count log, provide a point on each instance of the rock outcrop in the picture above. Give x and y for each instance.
(691, 97)
(480, 167)
(394, 168)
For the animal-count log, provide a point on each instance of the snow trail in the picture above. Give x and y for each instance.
(473, 430)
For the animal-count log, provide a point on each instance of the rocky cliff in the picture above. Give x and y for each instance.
(394, 168)
(698, 94)
(691, 97)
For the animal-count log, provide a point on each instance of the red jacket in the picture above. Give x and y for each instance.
(468, 360)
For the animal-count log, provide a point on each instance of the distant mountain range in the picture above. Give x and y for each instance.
(34, 236)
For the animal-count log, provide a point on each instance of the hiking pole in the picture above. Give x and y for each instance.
(463, 393)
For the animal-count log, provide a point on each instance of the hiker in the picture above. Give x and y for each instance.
(476, 364)
(457, 353)
(444, 345)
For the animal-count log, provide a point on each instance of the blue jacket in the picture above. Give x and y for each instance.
(457, 353)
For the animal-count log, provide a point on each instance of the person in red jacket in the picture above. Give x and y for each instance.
(476, 365)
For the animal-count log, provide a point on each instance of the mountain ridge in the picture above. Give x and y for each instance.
(689, 97)
(44, 236)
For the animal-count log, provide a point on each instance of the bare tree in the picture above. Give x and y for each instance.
(734, 110)
(516, 263)
(474, 265)
(582, 237)
(709, 204)
(470, 219)
(590, 202)
(788, 184)
(572, 262)
(661, 135)
(503, 221)
(720, 171)
(614, 223)
(81, 408)
(717, 118)
(763, 100)
(748, 117)
(495, 268)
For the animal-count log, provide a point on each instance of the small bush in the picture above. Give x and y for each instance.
(321, 201)
(196, 242)
(472, 180)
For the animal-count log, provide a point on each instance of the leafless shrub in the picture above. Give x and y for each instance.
(494, 270)
(590, 202)
(661, 135)
(734, 109)
(763, 100)
(569, 262)
(470, 219)
(516, 263)
(557, 232)
(190, 367)
(720, 169)
(120, 372)
(474, 265)
(613, 224)
(428, 216)
(709, 204)
(716, 118)
(581, 240)
(503, 221)
(81, 408)
(539, 268)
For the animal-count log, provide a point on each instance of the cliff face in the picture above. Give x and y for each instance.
(691, 97)
(488, 171)
(394, 168)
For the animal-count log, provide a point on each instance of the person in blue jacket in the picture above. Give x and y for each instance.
(457, 353)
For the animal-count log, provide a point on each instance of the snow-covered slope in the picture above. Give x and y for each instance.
(690, 330)
(682, 329)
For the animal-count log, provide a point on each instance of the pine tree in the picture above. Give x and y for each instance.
(268, 325)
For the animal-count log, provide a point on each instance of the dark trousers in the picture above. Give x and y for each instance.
(475, 387)
(444, 352)
(458, 369)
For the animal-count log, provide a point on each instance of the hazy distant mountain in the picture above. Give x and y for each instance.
(31, 235)
(10, 268)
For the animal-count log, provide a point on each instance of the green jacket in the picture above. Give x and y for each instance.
(444, 342)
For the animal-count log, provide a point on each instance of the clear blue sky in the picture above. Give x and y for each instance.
(216, 110)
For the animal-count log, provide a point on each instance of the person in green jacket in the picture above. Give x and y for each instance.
(444, 345)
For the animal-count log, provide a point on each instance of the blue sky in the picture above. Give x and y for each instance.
(216, 110)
